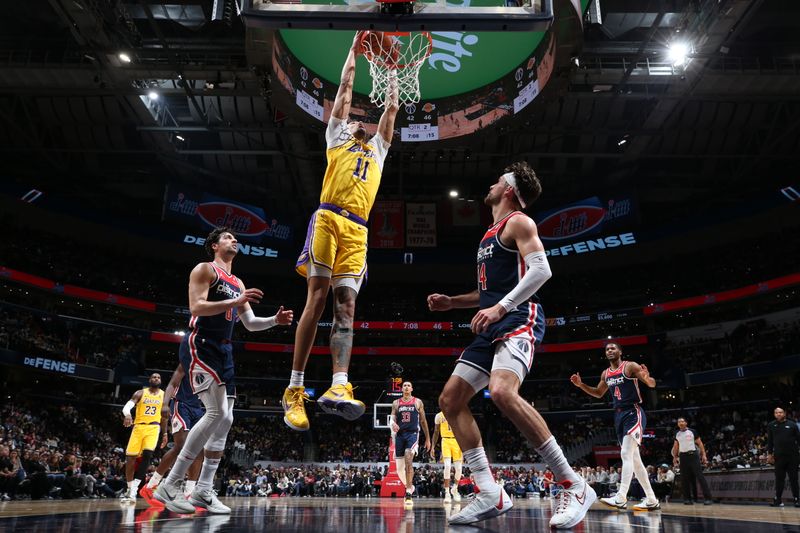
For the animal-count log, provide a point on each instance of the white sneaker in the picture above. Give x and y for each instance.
(127, 500)
(572, 502)
(447, 498)
(173, 499)
(613, 502)
(647, 506)
(207, 499)
(456, 495)
(484, 506)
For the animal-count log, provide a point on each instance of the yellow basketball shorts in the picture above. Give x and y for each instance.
(336, 244)
(451, 449)
(143, 437)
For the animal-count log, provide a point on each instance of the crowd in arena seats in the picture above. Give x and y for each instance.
(306, 480)
(60, 452)
(116, 270)
(750, 342)
(70, 451)
(77, 342)
(734, 437)
(267, 438)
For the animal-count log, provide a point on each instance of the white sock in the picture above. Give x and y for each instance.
(182, 464)
(154, 480)
(133, 487)
(479, 466)
(207, 473)
(297, 378)
(554, 457)
(640, 471)
(188, 488)
(339, 378)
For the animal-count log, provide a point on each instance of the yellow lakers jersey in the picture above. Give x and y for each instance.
(444, 428)
(354, 170)
(148, 409)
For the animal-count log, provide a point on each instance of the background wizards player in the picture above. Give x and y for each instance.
(408, 415)
(622, 378)
(511, 267)
(217, 299)
(335, 251)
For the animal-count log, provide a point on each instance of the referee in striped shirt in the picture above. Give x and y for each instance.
(688, 452)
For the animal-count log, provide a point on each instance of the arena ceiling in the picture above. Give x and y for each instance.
(74, 117)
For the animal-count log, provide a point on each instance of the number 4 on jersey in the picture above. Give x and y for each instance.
(482, 276)
(617, 394)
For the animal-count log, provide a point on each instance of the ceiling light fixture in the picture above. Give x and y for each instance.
(678, 53)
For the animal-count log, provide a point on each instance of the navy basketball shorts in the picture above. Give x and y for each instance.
(185, 414)
(508, 344)
(406, 440)
(207, 362)
(630, 421)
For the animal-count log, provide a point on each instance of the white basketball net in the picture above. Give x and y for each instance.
(397, 69)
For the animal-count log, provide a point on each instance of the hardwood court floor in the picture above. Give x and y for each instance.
(351, 515)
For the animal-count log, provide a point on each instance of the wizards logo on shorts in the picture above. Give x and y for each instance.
(199, 379)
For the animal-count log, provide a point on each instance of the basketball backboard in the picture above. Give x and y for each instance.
(426, 15)
(381, 415)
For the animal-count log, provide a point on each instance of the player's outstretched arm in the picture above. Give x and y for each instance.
(253, 323)
(344, 96)
(126, 409)
(597, 392)
(641, 373)
(200, 280)
(386, 123)
(443, 302)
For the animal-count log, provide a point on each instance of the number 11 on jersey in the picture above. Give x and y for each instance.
(358, 173)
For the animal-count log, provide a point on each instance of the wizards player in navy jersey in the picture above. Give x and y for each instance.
(217, 299)
(408, 415)
(621, 379)
(511, 267)
(184, 411)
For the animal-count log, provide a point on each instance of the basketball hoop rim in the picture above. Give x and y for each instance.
(400, 66)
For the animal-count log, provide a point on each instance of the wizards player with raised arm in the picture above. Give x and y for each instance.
(217, 300)
(511, 267)
(335, 250)
(621, 379)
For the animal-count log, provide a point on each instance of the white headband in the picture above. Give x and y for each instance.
(512, 182)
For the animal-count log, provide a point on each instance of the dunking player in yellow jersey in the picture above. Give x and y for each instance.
(146, 425)
(451, 452)
(335, 251)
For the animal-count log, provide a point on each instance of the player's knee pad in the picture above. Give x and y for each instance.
(216, 443)
(477, 379)
(447, 461)
(629, 449)
(458, 466)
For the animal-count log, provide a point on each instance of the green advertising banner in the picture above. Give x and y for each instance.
(460, 62)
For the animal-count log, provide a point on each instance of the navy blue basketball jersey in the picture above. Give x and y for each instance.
(218, 327)
(184, 393)
(407, 415)
(499, 267)
(624, 390)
